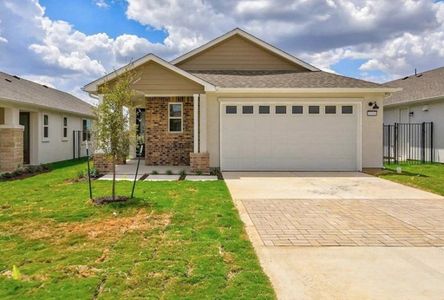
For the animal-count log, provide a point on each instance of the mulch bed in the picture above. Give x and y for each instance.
(109, 199)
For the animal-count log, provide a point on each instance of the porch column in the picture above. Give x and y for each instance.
(196, 123)
(203, 123)
(11, 140)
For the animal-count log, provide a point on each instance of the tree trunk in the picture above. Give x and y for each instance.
(114, 177)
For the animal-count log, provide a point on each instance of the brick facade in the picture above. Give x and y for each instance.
(163, 147)
(200, 162)
(11, 149)
(104, 165)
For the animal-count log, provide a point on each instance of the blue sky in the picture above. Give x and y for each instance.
(87, 17)
(66, 44)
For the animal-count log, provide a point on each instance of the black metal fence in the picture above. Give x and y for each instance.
(409, 143)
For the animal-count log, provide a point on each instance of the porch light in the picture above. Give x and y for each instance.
(374, 105)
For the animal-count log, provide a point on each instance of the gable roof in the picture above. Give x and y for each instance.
(416, 88)
(251, 38)
(93, 86)
(16, 89)
(281, 79)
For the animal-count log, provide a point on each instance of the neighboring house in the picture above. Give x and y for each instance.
(239, 103)
(37, 123)
(421, 100)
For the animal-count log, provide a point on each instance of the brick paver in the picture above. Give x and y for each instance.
(405, 223)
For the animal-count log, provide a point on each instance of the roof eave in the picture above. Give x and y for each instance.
(92, 87)
(308, 90)
(416, 101)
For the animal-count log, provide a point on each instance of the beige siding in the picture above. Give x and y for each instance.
(2, 115)
(156, 79)
(237, 53)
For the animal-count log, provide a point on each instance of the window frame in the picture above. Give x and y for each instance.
(175, 118)
(86, 136)
(230, 106)
(312, 113)
(280, 113)
(45, 126)
(65, 138)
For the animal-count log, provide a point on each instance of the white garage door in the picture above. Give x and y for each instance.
(283, 136)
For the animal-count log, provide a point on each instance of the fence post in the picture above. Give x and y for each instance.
(395, 150)
(432, 152)
(389, 143)
(423, 142)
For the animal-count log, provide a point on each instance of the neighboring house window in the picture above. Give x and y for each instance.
(86, 130)
(175, 116)
(65, 128)
(45, 126)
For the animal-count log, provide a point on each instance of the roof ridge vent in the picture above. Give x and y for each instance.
(16, 77)
(45, 86)
(8, 80)
(405, 78)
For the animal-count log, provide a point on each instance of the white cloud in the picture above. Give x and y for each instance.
(392, 37)
(101, 3)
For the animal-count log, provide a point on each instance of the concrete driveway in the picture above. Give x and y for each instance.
(343, 235)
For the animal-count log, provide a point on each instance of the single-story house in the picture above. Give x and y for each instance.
(39, 124)
(239, 103)
(421, 100)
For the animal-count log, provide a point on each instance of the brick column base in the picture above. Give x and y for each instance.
(11, 149)
(103, 164)
(200, 162)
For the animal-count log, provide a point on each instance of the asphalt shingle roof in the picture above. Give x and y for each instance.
(422, 86)
(281, 79)
(29, 92)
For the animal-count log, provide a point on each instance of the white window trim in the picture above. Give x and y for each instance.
(45, 139)
(87, 121)
(180, 118)
(65, 139)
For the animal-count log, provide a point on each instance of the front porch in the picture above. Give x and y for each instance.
(174, 132)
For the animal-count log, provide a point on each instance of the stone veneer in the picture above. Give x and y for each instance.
(11, 149)
(163, 147)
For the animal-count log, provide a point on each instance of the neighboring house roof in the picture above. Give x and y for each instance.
(420, 87)
(93, 86)
(281, 79)
(16, 89)
(246, 35)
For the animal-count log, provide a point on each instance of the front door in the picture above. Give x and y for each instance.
(24, 120)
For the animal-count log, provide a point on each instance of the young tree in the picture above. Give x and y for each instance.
(113, 131)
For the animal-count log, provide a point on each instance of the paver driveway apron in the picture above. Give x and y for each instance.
(343, 234)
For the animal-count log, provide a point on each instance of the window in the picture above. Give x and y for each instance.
(175, 117)
(281, 109)
(313, 109)
(264, 109)
(231, 109)
(65, 127)
(347, 109)
(297, 109)
(86, 130)
(330, 109)
(45, 126)
(247, 109)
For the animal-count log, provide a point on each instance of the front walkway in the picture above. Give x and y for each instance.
(131, 164)
(384, 239)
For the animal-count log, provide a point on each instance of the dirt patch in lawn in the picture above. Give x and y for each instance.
(109, 228)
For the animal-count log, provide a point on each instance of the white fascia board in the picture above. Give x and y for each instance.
(307, 90)
(92, 87)
(251, 38)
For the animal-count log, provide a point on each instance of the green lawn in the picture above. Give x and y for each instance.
(429, 177)
(179, 240)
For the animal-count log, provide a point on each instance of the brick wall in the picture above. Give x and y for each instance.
(163, 147)
(11, 149)
(200, 162)
(104, 165)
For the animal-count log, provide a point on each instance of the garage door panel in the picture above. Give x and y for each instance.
(288, 142)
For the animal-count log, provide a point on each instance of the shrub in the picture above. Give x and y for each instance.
(154, 172)
(169, 172)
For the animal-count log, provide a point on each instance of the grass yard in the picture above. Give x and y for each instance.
(179, 240)
(429, 177)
